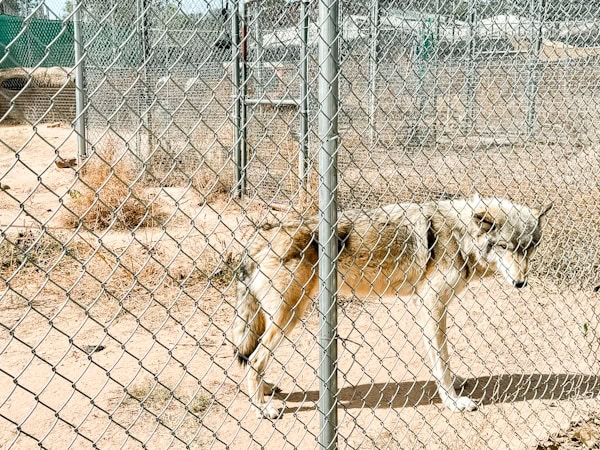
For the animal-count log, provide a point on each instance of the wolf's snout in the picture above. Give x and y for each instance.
(520, 284)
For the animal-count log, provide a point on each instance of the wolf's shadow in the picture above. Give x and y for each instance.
(507, 388)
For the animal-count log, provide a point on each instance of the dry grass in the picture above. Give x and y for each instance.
(112, 280)
(217, 269)
(128, 280)
(156, 397)
(29, 249)
(109, 194)
(308, 201)
(177, 409)
(214, 181)
(303, 197)
(581, 434)
(205, 164)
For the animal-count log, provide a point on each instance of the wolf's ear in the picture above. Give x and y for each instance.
(544, 210)
(481, 215)
(484, 221)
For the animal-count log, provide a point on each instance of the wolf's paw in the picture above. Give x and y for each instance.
(270, 388)
(267, 411)
(460, 404)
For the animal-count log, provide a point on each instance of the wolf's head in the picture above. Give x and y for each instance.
(506, 235)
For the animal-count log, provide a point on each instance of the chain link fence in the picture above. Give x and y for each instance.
(129, 215)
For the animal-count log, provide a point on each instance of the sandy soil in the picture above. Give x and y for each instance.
(118, 339)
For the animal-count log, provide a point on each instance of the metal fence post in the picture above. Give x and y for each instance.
(373, 69)
(143, 14)
(537, 9)
(328, 134)
(472, 69)
(79, 85)
(238, 36)
(259, 51)
(435, 60)
(424, 53)
(303, 155)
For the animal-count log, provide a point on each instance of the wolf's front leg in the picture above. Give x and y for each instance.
(433, 324)
(258, 387)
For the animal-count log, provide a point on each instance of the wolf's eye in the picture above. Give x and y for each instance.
(502, 245)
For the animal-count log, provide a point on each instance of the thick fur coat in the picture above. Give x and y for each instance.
(429, 251)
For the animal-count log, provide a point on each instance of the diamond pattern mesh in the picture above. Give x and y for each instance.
(121, 262)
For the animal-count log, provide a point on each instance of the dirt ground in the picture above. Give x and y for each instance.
(118, 339)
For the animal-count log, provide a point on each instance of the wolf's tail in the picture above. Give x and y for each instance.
(249, 321)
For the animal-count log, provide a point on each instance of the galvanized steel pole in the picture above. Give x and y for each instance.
(259, 51)
(238, 74)
(145, 23)
(328, 134)
(538, 14)
(303, 156)
(472, 69)
(373, 70)
(79, 85)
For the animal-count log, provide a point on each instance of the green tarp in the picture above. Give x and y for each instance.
(35, 42)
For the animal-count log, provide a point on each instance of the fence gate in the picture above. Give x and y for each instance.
(153, 153)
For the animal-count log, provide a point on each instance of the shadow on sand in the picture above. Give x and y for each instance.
(506, 388)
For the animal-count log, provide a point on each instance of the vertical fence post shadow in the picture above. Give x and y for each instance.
(328, 135)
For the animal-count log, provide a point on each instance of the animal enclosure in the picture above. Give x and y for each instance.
(132, 182)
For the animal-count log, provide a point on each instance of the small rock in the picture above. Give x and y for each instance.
(90, 349)
(66, 163)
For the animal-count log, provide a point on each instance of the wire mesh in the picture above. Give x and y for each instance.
(121, 272)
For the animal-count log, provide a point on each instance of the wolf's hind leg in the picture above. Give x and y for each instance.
(270, 387)
(283, 306)
(282, 323)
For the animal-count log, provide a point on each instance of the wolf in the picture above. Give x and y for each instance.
(429, 251)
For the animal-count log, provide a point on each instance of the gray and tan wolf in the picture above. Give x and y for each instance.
(429, 251)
